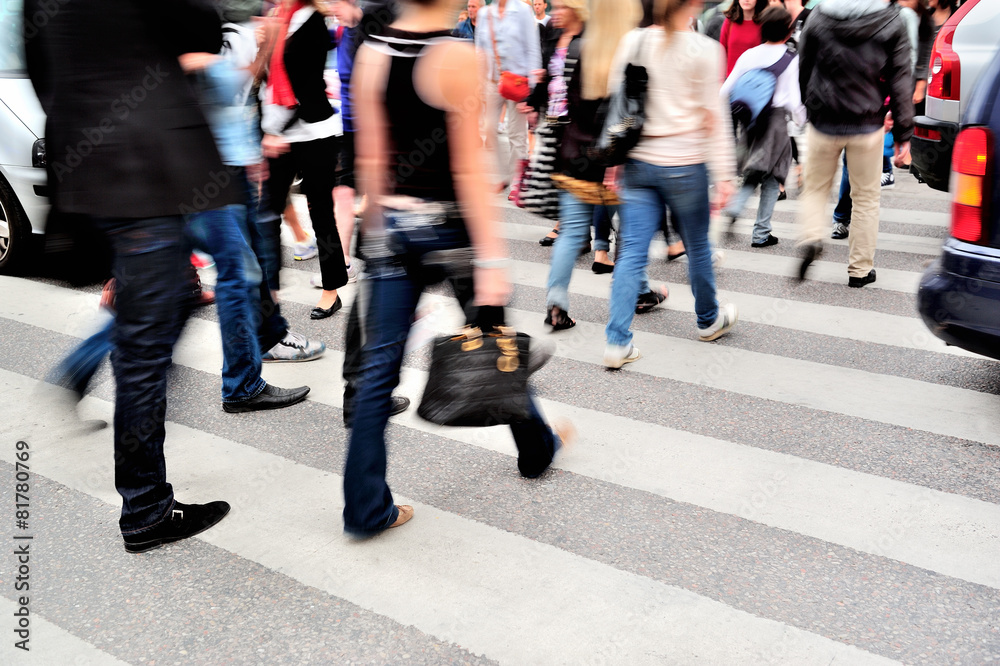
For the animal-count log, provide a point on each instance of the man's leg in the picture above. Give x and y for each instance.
(237, 292)
(517, 134)
(864, 152)
(150, 259)
(821, 166)
(768, 198)
(494, 104)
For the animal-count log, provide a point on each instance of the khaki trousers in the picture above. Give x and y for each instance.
(517, 133)
(864, 159)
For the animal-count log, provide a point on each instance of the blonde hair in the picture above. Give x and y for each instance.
(612, 20)
(579, 7)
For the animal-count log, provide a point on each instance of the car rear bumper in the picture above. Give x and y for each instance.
(932, 156)
(959, 298)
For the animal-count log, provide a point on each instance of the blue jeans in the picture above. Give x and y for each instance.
(602, 227)
(842, 213)
(78, 368)
(151, 256)
(769, 191)
(575, 220)
(223, 233)
(391, 290)
(647, 190)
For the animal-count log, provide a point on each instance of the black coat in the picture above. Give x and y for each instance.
(125, 136)
(305, 61)
(847, 67)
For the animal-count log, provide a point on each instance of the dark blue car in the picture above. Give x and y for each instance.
(959, 296)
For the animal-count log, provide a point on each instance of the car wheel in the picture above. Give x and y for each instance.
(15, 231)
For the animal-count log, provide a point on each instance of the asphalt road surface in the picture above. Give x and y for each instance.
(818, 487)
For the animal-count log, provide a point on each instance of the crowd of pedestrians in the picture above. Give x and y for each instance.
(407, 138)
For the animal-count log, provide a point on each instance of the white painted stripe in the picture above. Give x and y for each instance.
(450, 577)
(49, 644)
(944, 410)
(946, 533)
(766, 263)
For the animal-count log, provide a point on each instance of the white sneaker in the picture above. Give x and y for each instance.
(306, 249)
(316, 281)
(352, 274)
(728, 315)
(294, 348)
(718, 258)
(615, 356)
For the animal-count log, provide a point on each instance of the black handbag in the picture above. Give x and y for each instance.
(626, 115)
(478, 379)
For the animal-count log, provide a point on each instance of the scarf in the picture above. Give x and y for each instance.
(279, 86)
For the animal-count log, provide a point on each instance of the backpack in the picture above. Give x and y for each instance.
(752, 93)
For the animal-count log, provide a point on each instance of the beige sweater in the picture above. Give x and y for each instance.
(687, 122)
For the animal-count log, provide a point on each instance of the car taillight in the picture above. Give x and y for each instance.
(972, 167)
(946, 69)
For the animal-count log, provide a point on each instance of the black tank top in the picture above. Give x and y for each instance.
(419, 154)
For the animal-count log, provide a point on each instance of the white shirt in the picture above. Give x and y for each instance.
(786, 89)
(544, 20)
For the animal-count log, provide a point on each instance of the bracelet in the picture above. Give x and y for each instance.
(501, 262)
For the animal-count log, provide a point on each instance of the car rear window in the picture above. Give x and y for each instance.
(11, 39)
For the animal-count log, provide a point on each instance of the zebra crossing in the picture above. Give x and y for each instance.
(819, 487)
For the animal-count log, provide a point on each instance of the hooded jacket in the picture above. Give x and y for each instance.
(853, 54)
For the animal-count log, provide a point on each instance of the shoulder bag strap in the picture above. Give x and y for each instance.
(779, 67)
(493, 38)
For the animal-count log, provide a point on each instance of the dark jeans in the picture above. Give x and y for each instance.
(263, 226)
(316, 161)
(390, 293)
(224, 234)
(602, 227)
(152, 304)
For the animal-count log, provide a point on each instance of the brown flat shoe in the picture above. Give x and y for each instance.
(405, 513)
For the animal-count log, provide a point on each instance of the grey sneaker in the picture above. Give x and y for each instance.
(840, 231)
(615, 356)
(723, 323)
(294, 349)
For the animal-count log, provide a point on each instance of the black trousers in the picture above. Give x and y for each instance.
(316, 161)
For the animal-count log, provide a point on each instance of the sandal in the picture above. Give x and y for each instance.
(549, 238)
(558, 319)
(650, 300)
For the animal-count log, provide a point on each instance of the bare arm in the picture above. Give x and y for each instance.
(371, 70)
(446, 80)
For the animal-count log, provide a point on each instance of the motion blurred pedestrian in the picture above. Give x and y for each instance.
(685, 134)
(135, 166)
(419, 214)
(853, 55)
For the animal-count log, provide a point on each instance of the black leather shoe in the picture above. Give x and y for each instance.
(323, 313)
(399, 405)
(809, 254)
(857, 282)
(767, 242)
(271, 397)
(181, 522)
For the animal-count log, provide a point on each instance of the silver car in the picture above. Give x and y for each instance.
(24, 204)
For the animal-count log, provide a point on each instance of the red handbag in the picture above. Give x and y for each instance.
(511, 86)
